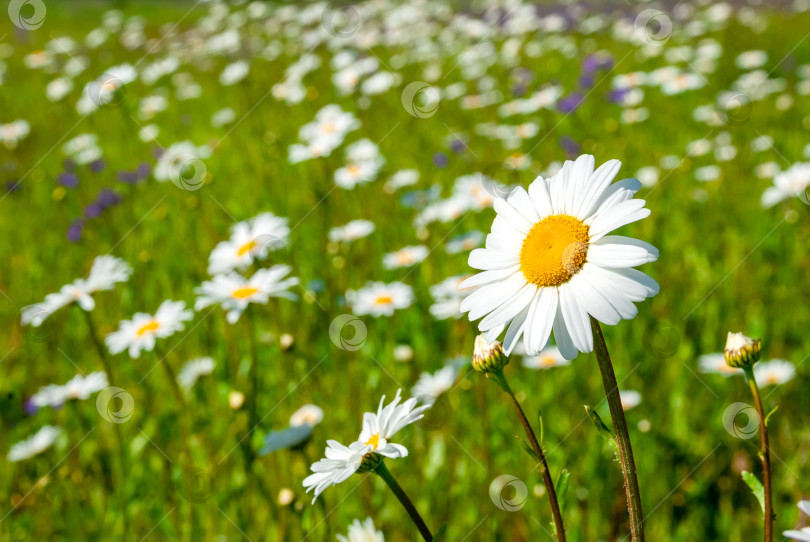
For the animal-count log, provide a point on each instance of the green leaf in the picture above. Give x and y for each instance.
(528, 450)
(603, 429)
(756, 487)
(561, 487)
(768, 417)
(540, 422)
(440, 533)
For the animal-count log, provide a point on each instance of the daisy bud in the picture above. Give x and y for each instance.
(741, 351)
(488, 358)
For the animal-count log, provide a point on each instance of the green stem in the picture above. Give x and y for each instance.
(386, 475)
(622, 435)
(170, 374)
(122, 455)
(538, 450)
(764, 455)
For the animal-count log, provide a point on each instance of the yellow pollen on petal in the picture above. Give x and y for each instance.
(148, 328)
(242, 293)
(373, 441)
(383, 300)
(554, 250)
(247, 247)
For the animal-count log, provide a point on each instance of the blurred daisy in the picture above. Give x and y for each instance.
(750, 60)
(401, 179)
(176, 157)
(234, 292)
(223, 117)
(141, 332)
(447, 296)
(547, 358)
(793, 182)
(83, 149)
(549, 262)
(105, 273)
(79, 387)
(36, 444)
(716, 363)
(234, 72)
(310, 415)
(802, 535)
(193, 370)
(250, 239)
(380, 299)
(356, 229)
(430, 386)
(465, 242)
(13, 132)
(362, 532)
(776, 371)
(405, 257)
(373, 444)
(629, 399)
(58, 88)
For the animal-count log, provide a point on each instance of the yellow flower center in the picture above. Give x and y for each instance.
(554, 250)
(548, 361)
(245, 292)
(383, 300)
(148, 328)
(247, 247)
(373, 441)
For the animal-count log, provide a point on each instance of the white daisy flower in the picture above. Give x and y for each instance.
(405, 257)
(234, 292)
(465, 242)
(141, 332)
(380, 299)
(250, 239)
(430, 386)
(331, 123)
(179, 155)
(448, 296)
(356, 229)
(310, 415)
(776, 371)
(105, 273)
(234, 72)
(356, 173)
(362, 532)
(547, 358)
(12, 132)
(803, 535)
(340, 463)
(793, 182)
(400, 179)
(193, 370)
(79, 387)
(549, 262)
(83, 148)
(36, 444)
(716, 364)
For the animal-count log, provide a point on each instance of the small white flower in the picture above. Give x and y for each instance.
(235, 72)
(193, 370)
(430, 386)
(234, 292)
(340, 463)
(310, 415)
(629, 399)
(716, 364)
(776, 371)
(13, 132)
(179, 155)
(250, 239)
(105, 273)
(362, 532)
(141, 332)
(380, 299)
(547, 358)
(36, 444)
(448, 296)
(356, 229)
(79, 387)
(405, 257)
(793, 182)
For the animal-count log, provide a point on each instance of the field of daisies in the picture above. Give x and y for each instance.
(395, 271)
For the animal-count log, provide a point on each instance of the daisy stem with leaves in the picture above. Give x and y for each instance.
(490, 360)
(625, 449)
(383, 472)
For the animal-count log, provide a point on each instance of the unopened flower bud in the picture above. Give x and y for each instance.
(741, 352)
(488, 358)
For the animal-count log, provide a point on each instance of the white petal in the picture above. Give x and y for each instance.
(520, 200)
(488, 298)
(620, 215)
(593, 301)
(598, 183)
(625, 307)
(538, 191)
(562, 338)
(541, 318)
(578, 182)
(620, 251)
(510, 308)
(485, 277)
(515, 219)
(485, 259)
(576, 319)
(515, 330)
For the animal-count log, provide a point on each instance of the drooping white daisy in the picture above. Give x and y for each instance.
(193, 370)
(234, 292)
(430, 386)
(362, 532)
(250, 239)
(79, 387)
(549, 262)
(36, 444)
(803, 535)
(405, 257)
(308, 414)
(774, 372)
(716, 364)
(547, 358)
(105, 273)
(380, 299)
(142, 331)
(373, 444)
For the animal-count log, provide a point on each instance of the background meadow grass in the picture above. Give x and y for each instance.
(726, 264)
